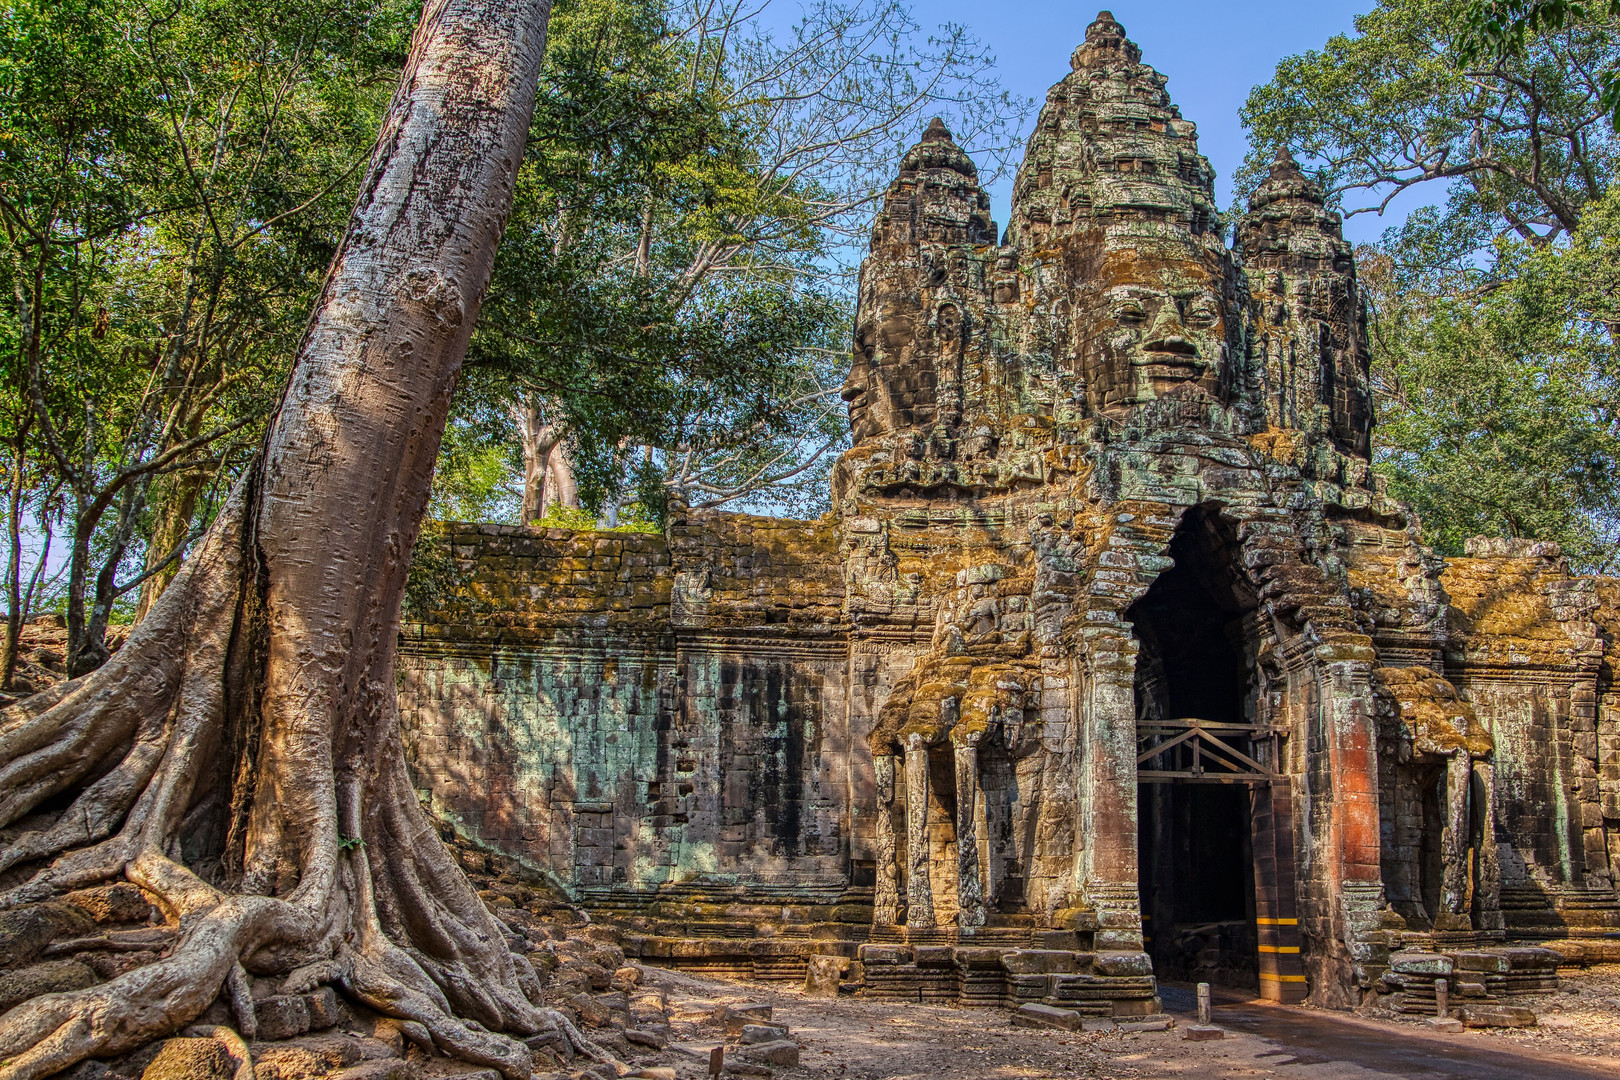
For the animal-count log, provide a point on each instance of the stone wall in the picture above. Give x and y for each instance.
(575, 676)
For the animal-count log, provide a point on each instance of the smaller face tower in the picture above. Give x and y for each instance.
(922, 295)
(1311, 351)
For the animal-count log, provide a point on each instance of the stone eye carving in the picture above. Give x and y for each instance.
(1129, 313)
(1203, 313)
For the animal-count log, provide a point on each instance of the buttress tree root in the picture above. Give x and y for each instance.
(240, 758)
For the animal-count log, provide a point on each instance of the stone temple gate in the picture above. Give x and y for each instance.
(1112, 662)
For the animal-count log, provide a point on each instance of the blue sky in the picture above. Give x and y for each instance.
(1211, 52)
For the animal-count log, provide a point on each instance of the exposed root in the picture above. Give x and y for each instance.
(240, 991)
(53, 1032)
(127, 819)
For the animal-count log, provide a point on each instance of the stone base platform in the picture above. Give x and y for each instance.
(1100, 984)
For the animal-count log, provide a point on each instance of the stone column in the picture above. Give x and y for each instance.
(1353, 883)
(919, 887)
(969, 880)
(1107, 785)
(886, 889)
(1454, 845)
(1487, 863)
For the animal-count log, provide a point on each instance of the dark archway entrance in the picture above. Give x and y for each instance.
(1214, 831)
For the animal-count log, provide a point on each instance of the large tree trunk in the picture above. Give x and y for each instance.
(548, 474)
(250, 721)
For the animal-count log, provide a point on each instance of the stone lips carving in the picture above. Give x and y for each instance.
(1111, 624)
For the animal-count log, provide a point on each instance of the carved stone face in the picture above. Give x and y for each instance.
(886, 387)
(1153, 329)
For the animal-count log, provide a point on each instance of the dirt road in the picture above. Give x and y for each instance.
(857, 1039)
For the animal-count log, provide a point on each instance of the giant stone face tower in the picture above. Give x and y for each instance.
(1112, 662)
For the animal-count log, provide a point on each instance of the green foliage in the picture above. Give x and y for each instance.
(1517, 147)
(633, 520)
(1500, 412)
(174, 180)
(1495, 29)
(473, 477)
(671, 290)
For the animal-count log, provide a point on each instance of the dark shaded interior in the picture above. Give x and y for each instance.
(1196, 861)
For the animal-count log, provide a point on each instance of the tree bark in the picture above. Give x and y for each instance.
(15, 615)
(250, 721)
(548, 474)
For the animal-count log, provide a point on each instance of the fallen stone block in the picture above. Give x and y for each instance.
(118, 903)
(753, 1034)
(1420, 963)
(191, 1059)
(699, 1050)
(315, 1056)
(322, 1005)
(782, 1052)
(1202, 1033)
(1506, 1016)
(1098, 1023)
(643, 1037)
(283, 1016)
(735, 1016)
(1036, 1015)
(1147, 1023)
(654, 1072)
(382, 1069)
(51, 977)
(592, 1013)
(1445, 1024)
(822, 975)
(26, 930)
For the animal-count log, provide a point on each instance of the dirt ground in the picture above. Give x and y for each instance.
(857, 1039)
(1582, 1017)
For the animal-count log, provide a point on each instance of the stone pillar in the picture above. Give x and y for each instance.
(1354, 875)
(1107, 783)
(886, 889)
(919, 887)
(969, 879)
(1487, 863)
(1454, 846)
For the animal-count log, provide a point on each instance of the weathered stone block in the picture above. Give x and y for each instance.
(1510, 1016)
(1038, 961)
(822, 975)
(1420, 963)
(191, 1059)
(322, 1006)
(27, 929)
(1123, 963)
(50, 977)
(284, 1016)
(782, 1052)
(1036, 1015)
